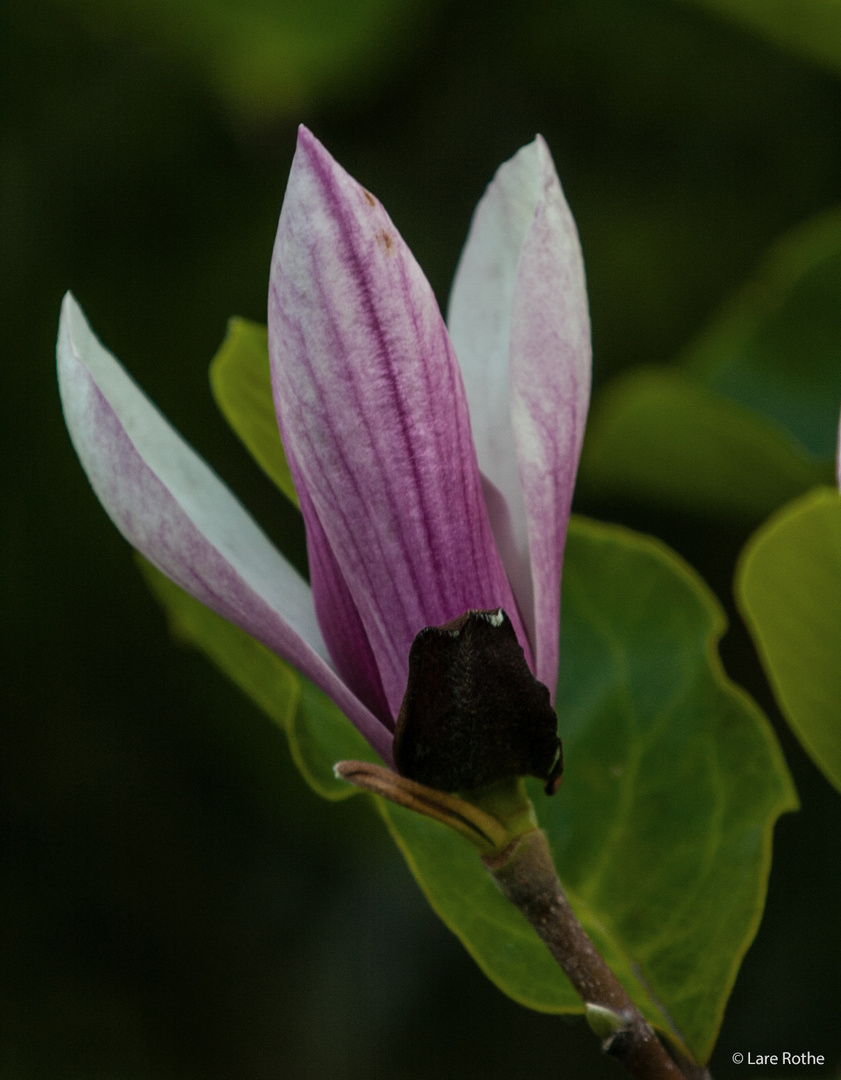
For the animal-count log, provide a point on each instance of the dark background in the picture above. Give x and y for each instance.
(175, 902)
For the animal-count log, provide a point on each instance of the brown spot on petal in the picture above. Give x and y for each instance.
(369, 198)
(387, 240)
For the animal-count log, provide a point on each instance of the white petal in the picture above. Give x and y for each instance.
(479, 322)
(172, 507)
(518, 319)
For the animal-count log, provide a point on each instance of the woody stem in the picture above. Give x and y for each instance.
(526, 875)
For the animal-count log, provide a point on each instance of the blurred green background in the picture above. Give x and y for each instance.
(175, 903)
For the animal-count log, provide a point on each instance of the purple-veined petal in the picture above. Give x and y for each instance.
(374, 418)
(339, 619)
(172, 507)
(519, 321)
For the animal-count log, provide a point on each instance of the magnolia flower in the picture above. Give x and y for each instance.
(434, 468)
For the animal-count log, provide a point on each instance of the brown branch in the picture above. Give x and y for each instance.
(527, 877)
(523, 869)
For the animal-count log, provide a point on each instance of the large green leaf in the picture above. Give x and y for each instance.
(268, 57)
(810, 28)
(788, 584)
(674, 777)
(662, 828)
(748, 418)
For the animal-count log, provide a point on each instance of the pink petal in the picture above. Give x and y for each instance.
(343, 631)
(170, 506)
(374, 418)
(519, 321)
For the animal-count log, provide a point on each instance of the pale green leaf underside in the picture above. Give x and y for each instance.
(788, 584)
(748, 418)
(497, 936)
(663, 824)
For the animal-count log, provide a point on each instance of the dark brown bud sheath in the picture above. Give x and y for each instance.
(473, 713)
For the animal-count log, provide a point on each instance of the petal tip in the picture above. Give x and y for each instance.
(70, 318)
(541, 145)
(78, 344)
(311, 148)
(305, 137)
(72, 329)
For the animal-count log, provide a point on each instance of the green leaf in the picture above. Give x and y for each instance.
(810, 28)
(662, 827)
(241, 384)
(658, 434)
(788, 585)
(319, 733)
(268, 57)
(748, 418)
(492, 930)
(497, 936)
